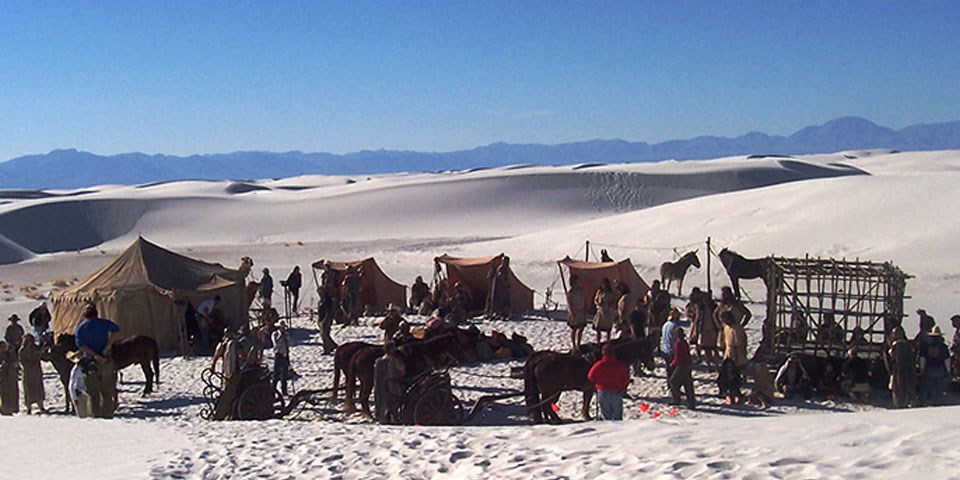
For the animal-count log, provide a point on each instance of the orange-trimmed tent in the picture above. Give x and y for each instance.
(592, 273)
(377, 290)
(142, 290)
(476, 274)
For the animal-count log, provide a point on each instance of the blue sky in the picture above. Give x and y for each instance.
(220, 76)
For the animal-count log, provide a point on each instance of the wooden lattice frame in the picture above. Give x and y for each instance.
(864, 296)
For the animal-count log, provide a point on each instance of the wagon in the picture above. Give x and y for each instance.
(429, 400)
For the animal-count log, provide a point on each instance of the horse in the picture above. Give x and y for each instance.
(341, 361)
(546, 374)
(134, 350)
(419, 356)
(670, 271)
(737, 267)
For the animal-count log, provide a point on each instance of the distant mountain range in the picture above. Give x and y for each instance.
(76, 169)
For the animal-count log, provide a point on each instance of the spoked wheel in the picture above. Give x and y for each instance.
(437, 407)
(257, 402)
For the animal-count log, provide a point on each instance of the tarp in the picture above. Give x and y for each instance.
(591, 274)
(377, 290)
(475, 275)
(144, 290)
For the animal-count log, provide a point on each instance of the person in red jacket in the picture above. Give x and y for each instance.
(611, 377)
(682, 366)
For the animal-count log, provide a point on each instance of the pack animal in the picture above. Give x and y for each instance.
(419, 356)
(739, 267)
(133, 350)
(670, 271)
(547, 374)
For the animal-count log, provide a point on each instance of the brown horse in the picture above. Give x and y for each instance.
(341, 362)
(670, 271)
(419, 356)
(738, 266)
(547, 374)
(134, 350)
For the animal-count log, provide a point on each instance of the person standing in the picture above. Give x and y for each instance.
(326, 310)
(266, 288)
(351, 302)
(229, 351)
(605, 300)
(419, 292)
(208, 313)
(14, 333)
(40, 320)
(955, 347)
(389, 384)
(281, 357)
(9, 380)
(934, 368)
(294, 282)
(667, 341)
(576, 314)
(33, 392)
(682, 365)
(94, 337)
(903, 373)
(611, 377)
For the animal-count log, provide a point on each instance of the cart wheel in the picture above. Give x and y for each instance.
(257, 402)
(437, 407)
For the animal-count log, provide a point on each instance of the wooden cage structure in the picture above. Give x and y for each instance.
(825, 306)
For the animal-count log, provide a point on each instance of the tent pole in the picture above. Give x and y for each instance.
(587, 252)
(562, 280)
(709, 252)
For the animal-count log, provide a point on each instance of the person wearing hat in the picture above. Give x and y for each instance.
(611, 377)
(94, 337)
(266, 288)
(934, 368)
(391, 322)
(14, 334)
(293, 283)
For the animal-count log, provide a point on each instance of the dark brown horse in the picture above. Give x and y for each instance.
(419, 356)
(547, 374)
(670, 271)
(134, 350)
(738, 266)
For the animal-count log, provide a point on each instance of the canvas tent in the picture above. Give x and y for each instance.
(592, 273)
(377, 290)
(143, 290)
(475, 275)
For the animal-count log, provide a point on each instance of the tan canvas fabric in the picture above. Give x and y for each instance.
(377, 290)
(475, 274)
(138, 290)
(592, 273)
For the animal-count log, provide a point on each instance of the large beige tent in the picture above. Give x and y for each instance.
(476, 275)
(591, 274)
(144, 290)
(377, 290)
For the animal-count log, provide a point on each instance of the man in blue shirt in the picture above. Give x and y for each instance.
(94, 338)
(667, 338)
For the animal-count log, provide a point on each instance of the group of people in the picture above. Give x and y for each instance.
(20, 368)
(244, 347)
(920, 369)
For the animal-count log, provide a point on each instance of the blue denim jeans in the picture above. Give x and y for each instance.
(611, 405)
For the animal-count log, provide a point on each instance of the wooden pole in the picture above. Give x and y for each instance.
(709, 252)
(587, 252)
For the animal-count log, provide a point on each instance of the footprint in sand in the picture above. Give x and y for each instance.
(721, 466)
(783, 462)
(680, 465)
(332, 458)
(457, 456)
(583, 431)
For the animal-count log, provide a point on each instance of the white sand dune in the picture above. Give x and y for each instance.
(903, 212)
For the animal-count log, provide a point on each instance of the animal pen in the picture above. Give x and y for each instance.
(826, 306)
